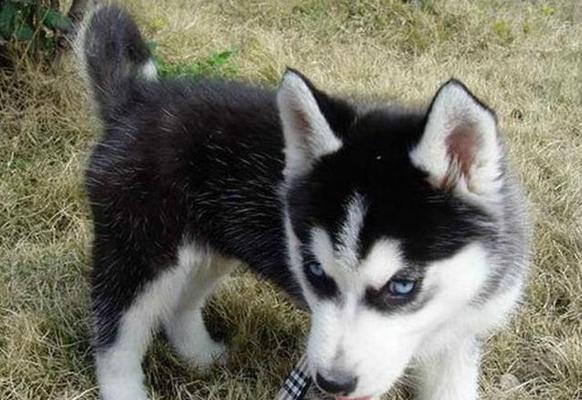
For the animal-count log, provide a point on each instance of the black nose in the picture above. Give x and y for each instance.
(340, 384)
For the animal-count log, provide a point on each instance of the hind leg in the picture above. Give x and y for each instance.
(122, 342)
(185, 326)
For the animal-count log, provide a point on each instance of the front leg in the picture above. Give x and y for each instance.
(451, 374)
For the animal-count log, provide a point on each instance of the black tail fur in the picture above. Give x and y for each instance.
(114, 53)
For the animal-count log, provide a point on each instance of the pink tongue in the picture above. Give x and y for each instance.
(352, 398)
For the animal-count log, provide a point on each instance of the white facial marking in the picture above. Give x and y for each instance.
(293, 245)
(376, 347)
(381, 263)
(350, 231)
(322, 247)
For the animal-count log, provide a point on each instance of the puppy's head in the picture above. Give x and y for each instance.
(386, 216)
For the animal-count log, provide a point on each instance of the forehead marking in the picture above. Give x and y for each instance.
(322, 246)
(382, 262)
(348, 238)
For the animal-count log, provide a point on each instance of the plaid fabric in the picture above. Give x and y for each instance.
(297, 383)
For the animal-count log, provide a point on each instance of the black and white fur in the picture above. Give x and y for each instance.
(190, 178)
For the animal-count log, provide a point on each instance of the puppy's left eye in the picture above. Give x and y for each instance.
(401, 287)
(315, 268)
(396, 292)
(323, 285)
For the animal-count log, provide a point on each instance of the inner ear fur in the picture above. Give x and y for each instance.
(459, 148)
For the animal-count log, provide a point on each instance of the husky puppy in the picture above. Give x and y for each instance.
(402, 230)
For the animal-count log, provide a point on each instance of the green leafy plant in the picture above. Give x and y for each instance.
(31, 27)
(217, 64)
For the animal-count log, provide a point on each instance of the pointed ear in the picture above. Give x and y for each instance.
(459, 148)
(308, 135)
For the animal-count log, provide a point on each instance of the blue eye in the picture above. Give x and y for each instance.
(315, 269)
(323, 286)
(401, 287)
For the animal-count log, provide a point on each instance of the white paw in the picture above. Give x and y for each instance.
(213, 353)
(120, 375)
(120, 390)
(193, 343)
(199, 349)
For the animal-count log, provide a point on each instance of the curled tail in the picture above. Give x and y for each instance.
(113, 54)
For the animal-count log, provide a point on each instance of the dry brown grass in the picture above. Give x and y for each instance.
(524, 58)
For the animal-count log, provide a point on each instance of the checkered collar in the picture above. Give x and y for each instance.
(299, 386)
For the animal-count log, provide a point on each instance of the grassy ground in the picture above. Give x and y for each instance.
(524, 58)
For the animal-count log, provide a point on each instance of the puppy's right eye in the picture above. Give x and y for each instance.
(322, 284)
(315, 269)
